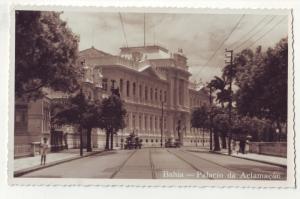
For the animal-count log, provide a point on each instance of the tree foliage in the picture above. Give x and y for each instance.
(113, 114)
(45, 54)
(199, 117)
(81, 112)
(220, 86)
(262, 81)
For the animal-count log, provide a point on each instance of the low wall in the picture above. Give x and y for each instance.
(269, 148)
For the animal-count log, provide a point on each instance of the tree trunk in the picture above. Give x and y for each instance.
(81, 138)
(107, 140)
(89, 140)
(111, 141)
(216, 141)
(223, 139)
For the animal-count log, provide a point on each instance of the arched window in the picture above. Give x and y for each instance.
(155, 94)
(128, 88)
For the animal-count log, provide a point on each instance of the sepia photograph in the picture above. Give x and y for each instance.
(144, 94)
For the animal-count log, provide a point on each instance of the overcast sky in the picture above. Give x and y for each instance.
(199, 35)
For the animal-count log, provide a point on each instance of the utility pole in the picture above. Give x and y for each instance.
(162, 124)
(210, 118)
(230, 56)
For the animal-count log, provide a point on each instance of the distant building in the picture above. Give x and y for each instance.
(32, 125)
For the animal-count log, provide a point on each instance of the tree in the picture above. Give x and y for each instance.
(113, 114)
(219, 84)
(46, 51)
(92, 119)
(262, 81)
(200, 117)
(85, 114)
(221, 127)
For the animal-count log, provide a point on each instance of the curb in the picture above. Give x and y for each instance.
(245, 158)
(39, 167)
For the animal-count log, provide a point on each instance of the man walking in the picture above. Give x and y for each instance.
(44, 149)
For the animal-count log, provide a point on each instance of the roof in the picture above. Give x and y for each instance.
(143, 48)
(93, 53)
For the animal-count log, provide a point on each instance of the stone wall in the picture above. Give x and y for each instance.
(269, 148)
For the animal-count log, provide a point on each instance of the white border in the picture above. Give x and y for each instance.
(51, 192)
(134, 182)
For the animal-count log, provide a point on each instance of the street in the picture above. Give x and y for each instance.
(157, 163)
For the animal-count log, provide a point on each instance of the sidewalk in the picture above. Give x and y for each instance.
(29, 164)
(278, 161)
(268, 159)
(274, 160)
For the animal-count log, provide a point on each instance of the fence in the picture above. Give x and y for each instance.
(269, 148)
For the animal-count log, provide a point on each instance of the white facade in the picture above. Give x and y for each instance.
(154, 85)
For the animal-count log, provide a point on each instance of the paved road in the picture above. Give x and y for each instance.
(156, 163)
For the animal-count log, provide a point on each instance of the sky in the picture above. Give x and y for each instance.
(199, 35)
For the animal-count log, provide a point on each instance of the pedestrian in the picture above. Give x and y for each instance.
(43, 151)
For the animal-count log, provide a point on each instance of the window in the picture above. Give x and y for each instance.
(121, 85)
(181, 91)
(155, 122)
(133, 121)
(104, 84)
(165, 96)
(151, 94)
(128, 88)
(145, 121)
(21, 120)
(151, 140)
(133, 89)
(140, 122)
(160, 95)
(155, 94)
(46, 118)
(140, 91)
(146, 93)
(150, 122)
(165, 123)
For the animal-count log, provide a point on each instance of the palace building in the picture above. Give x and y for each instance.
(155, 87)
